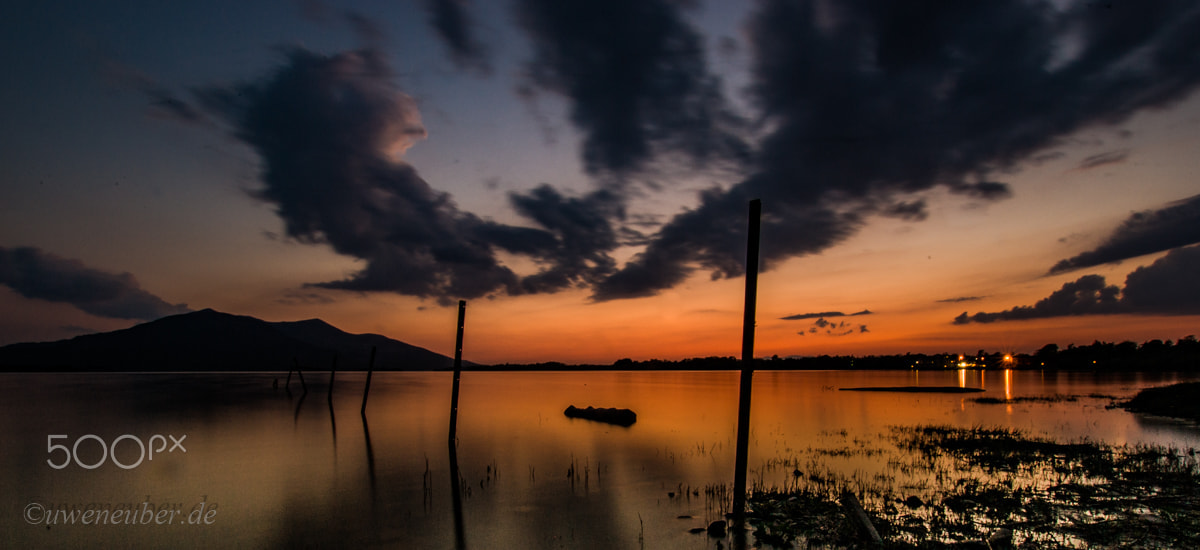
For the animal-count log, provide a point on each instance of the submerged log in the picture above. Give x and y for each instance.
(1001, 539)
(620, 417)
(858, 517)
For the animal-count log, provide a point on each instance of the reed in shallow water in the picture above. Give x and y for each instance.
(982, 481)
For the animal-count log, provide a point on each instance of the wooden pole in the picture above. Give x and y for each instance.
(743, 434)
(458, 345)
(367, 389)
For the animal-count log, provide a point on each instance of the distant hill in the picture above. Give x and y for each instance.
(210, 340)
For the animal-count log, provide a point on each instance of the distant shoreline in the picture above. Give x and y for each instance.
(190, 342)
(562, 368)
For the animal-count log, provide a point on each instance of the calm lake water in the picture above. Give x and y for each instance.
(265, 467)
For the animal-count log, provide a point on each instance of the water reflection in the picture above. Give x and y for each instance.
(299, 403)
(332, 420)
(283, 484)
(370, 462)
(460, 542)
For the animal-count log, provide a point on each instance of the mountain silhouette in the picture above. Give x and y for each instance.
(210, 340)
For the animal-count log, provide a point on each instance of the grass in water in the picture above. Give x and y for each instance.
(976, 482)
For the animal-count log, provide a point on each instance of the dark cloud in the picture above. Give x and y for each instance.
(33, 273)
(1143, 233)
(960, 299)
(708, 238)
(1111, 157)
(635, 75)
(830, 328)
(802, 316)
(986, 190)
(1087, 296)
(454, 25)
(331, 132)
(867, 104)
(1043, 158)
(171, 106)
(1167, 286)
(913, 211)
(860, 110)
(582, 236)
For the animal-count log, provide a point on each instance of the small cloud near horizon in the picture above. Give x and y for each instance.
(802, 316)
(834, 328)
(960, 299)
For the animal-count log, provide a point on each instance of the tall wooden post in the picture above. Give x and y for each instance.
(743, 434)
(462, 314)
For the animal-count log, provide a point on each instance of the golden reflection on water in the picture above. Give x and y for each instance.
(289, 470)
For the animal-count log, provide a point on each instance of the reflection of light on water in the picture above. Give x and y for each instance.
(512, 422)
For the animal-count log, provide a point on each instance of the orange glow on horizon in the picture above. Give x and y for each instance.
(703, 318)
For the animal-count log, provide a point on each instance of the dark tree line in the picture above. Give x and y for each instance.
(1183, 355)
(1127, 355)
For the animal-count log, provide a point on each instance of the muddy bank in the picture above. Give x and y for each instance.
(990, 486)
(1176, 400)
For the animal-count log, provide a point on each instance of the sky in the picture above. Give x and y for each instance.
(935, 176)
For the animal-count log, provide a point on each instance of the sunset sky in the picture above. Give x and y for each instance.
(935, 176)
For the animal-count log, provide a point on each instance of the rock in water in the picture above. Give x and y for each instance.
(716, 529)
(620, 417)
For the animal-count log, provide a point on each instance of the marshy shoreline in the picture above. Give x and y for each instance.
(1000, 488)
